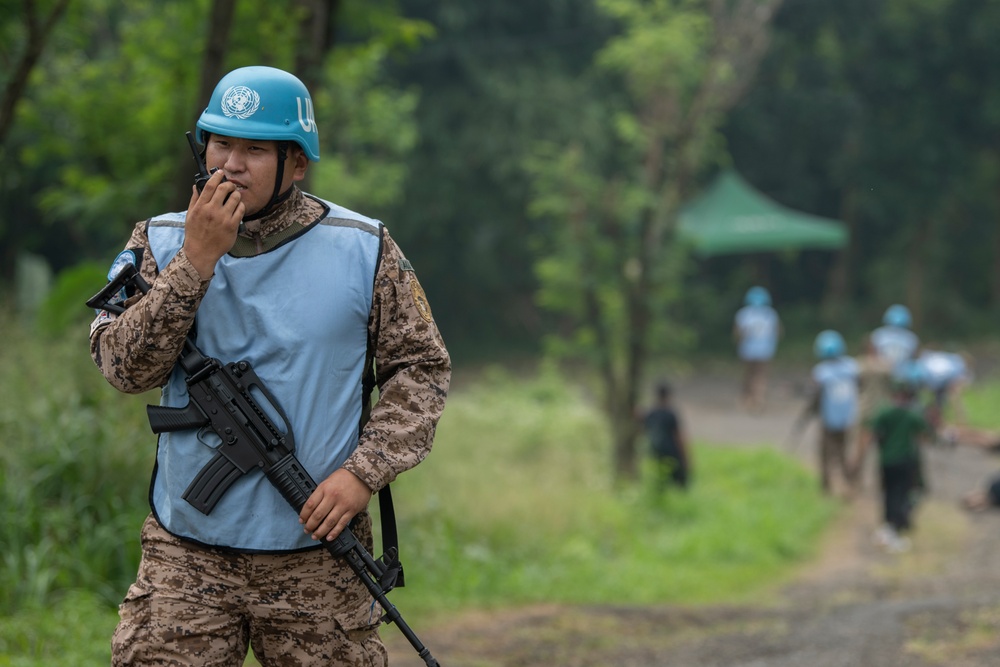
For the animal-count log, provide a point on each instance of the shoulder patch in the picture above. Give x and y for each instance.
(419, 297)
(420, 300)
(124, 258)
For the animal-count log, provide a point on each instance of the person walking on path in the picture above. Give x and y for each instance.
(898, 431)
(834, 400)
(667, 441)
(756, 330)
(874, 393)
(325, 307)
(895, 340)
(945, 374)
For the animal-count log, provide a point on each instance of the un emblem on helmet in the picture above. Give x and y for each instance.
(240, 102)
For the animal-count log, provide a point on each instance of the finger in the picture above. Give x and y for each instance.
(233, 198)
(224, 193)
(217, 177)
(338, 527)
(314, 522)
(326, 525)
(212, 184)
(312, 502)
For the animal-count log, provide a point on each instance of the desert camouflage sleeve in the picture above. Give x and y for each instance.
(413, 372)
(137, 350)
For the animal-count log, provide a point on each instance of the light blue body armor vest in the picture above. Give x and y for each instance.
(838, 380)
(299, 314)
(758, 327)
(894, 344)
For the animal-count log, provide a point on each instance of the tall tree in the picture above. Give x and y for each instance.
(498, 77)
(884, 113)
(37, 21)
(24, 35)
(99, 143)
(612, 261)
(213, 67)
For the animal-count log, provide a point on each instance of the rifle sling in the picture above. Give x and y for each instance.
(390, 539)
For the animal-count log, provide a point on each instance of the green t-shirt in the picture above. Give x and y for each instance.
(898, 430)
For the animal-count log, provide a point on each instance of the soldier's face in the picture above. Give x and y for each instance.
(252, 164)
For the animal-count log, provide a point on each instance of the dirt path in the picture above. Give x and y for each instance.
(855, 606)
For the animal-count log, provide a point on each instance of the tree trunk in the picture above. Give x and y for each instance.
(38, 30)
(916, 264)
(317, 37)
(38, 34)
(840, 283)
(625, 434)
(995, 282)
(213, 68)
(213, 63)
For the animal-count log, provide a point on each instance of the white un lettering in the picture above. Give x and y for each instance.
(309, 122)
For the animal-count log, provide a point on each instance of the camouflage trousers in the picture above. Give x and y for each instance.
(195, 605)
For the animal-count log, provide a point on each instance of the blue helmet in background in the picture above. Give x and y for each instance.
(829, 344)
(262, 103)
(909, 376)
(897, 315)
(757, 296)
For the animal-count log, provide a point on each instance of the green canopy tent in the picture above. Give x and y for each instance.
(731, 217)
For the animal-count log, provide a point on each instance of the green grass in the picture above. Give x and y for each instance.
(74, 628)
(515, 505)
(73, 470)
(981, 401)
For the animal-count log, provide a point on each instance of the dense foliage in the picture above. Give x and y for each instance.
(882, 113)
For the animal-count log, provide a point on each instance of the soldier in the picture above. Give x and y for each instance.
(895, 340)
(945, 374)
(756, 329)
(311, 294)
(835, 402)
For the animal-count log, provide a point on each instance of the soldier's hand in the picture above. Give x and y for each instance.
(212, 223)
(336, 500)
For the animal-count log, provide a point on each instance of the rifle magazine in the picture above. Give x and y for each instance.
(211, 483)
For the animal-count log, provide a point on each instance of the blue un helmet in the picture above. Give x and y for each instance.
(829, 344)
(909, 377)
(262, 103)
(897, 315)
(757, 296)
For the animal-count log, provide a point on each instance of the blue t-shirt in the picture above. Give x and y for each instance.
(757, 327)
(838, 383)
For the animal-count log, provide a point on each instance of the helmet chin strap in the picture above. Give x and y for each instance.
(277, 197)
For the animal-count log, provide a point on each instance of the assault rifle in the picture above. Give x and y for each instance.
(224, 400)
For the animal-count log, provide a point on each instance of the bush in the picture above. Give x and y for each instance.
(72, 472)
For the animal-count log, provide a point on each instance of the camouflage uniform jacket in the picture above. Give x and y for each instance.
(137, 350)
